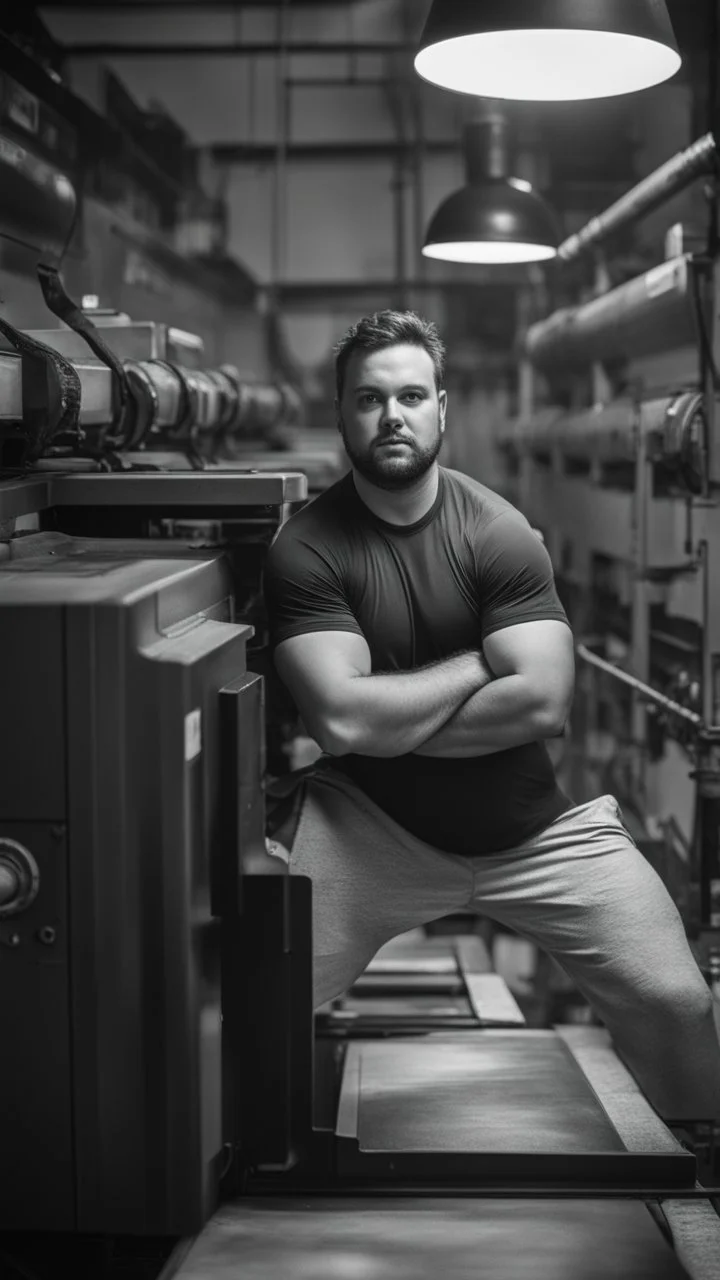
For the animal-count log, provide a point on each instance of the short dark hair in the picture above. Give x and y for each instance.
(389, 329)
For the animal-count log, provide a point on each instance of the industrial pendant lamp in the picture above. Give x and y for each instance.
(494, 218)
(547, 50)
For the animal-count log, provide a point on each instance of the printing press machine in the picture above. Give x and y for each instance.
(162, 1073)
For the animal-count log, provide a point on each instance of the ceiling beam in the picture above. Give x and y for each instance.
(245, 49)
(313, 291)
(267, 153)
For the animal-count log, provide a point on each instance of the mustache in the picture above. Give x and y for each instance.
(394, 439)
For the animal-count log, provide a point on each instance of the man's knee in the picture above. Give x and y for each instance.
(685, 999)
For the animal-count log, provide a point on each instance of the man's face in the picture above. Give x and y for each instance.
(391, 416)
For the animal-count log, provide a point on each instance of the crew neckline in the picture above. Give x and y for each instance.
(402, 530)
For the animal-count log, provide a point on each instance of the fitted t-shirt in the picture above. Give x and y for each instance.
(419, 593)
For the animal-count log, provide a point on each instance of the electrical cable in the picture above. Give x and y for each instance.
(701, 323)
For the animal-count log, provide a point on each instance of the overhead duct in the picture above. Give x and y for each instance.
(654, 312)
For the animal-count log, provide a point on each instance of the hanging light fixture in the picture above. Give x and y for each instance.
(547, 50)
(494, 218)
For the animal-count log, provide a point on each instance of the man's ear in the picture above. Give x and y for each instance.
(338, 415)
(442, 400)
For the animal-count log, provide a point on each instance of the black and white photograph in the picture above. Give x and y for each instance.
(360, 640)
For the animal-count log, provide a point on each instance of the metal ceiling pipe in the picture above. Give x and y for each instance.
(654, 312)
(645, 690)
(672, 428)
(665, 182)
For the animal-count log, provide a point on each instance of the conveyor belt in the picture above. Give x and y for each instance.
(490, 1092)
(406, 1239)
(490, 1108)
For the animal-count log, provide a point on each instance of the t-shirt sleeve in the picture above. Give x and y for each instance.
(303, 591)
(515, 575)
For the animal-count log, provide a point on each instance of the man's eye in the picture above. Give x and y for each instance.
(413, 396)
(368, 398)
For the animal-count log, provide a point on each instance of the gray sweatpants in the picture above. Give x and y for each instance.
(581, 890)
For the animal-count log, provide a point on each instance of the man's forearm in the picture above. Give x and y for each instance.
(391, 715)
(506, 713)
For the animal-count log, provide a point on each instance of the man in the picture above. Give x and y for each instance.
(415, 621)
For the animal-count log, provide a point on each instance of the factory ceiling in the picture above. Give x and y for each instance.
(309, 83)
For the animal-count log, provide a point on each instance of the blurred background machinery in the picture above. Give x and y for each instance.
(614, 453)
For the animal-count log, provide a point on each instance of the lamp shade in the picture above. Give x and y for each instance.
(547, 50)
(492, 221)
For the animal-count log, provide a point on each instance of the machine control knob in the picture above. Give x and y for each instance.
(19, 877)
(9, 884)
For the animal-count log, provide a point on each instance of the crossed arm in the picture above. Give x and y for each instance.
(517, 690)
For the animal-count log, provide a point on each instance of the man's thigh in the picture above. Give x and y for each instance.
(370, 880)
(584, 893)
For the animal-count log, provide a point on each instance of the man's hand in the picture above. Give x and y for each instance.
(348, 709)
(275, 849)
(529, 699)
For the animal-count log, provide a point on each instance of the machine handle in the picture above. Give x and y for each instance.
(242, 769)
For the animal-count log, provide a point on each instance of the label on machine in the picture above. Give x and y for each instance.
(663, 278)
(193, 734)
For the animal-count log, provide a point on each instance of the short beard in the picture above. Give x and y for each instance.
(393, 474)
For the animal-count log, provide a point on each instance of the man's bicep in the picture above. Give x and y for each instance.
(542, 651)
(515, 579)
(304, 591)
(316, 667)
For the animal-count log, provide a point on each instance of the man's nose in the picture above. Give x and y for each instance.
(392, 414)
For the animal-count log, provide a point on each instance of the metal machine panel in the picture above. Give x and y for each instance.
(35, 1061)
(136, 340)
(147, 1042)
(141, 1024)
(196, 489)
(32, 746)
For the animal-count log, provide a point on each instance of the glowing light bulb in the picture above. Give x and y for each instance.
(524, 49)
(489, 252)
